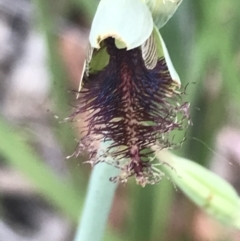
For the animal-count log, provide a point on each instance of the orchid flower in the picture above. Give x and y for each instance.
(129, 92)
(130, 97)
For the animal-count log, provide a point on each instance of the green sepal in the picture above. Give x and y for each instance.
(206, 189)
(162, 10)
(128, 21)
(163, 52)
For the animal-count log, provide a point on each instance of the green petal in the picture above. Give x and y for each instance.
(163, 52)
(96, 60)
(129, 21)
(100, 59)
(209, 191)
(149, 52)
(162, 10)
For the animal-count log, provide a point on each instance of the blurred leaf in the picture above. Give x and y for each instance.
(142, 210)
(48, 22)
(20, 156)
(162, 205)
(89, 7)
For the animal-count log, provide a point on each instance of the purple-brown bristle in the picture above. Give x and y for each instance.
(131, 106)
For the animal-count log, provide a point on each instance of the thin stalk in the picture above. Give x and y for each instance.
(98, 203)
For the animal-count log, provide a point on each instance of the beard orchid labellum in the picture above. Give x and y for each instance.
(128, 93)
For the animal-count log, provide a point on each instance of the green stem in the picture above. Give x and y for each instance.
(98, 203)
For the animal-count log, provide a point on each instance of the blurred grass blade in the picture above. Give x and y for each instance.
(89, 7)
(20, 156)
(48, 24)
(209, 191)
(164, 195)
(141, 219)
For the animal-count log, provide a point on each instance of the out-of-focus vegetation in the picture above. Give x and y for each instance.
(203, 40)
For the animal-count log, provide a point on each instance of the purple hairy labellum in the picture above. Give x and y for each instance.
(134, 108)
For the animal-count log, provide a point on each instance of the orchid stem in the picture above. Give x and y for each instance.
(98, 203)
